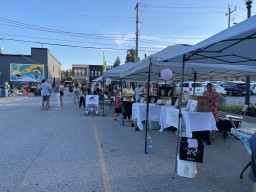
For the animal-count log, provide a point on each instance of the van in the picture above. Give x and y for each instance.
(188, 86)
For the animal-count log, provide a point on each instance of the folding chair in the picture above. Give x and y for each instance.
(236, 120)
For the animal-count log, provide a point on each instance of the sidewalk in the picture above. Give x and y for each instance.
(10, 99)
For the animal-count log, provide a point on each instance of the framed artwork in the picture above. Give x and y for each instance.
(192, 105)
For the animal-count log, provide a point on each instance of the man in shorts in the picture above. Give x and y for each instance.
(252, 174)
(46, 89)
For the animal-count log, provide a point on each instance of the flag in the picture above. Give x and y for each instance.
(104, 63)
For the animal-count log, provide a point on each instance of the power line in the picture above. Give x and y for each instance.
(184, 13)
(63, 14)
(59, 40)
(181, 7)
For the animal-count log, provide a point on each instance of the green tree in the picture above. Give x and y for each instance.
(117, 62)
(66, 75)
(131, 56)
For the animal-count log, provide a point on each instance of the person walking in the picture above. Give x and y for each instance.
(76, 91)
(118, 105)
(61, 94)
(56, 90)
(46, 89)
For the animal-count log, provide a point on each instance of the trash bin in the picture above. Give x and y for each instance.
(5, 92)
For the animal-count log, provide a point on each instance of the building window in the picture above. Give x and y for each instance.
(88, 72)
(75, 74)
(92, 73)
(99, 72)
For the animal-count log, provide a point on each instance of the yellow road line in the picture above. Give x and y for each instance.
(104, 171)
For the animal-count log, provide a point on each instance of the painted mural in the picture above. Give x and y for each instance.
(26, 72)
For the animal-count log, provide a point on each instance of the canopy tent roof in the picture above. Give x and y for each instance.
(115, 73)
(99, 79)
(140, 72)
(233, 46)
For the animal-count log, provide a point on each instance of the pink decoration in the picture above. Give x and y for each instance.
(166, 74)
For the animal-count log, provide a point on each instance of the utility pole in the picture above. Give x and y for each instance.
(247, 78)
(229, 14)
(137, 30)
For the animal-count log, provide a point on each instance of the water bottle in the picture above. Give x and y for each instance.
(149, 145)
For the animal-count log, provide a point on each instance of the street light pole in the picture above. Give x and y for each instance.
(145, 53)
(248, 91)
(249, 6)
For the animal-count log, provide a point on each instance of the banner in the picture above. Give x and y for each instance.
(92, 104)
(26, 72)
(104, 63)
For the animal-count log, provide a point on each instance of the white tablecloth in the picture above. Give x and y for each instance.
(193, 121)
(139, 113)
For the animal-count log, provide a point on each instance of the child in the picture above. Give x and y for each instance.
(118, 104)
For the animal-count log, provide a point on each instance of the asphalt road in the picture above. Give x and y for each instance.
(66, 151)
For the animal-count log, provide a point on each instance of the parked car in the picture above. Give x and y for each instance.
(234, 88)
(188, 86)
(219, 89)
(253, 88)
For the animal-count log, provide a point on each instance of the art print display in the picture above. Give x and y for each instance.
(92, 104)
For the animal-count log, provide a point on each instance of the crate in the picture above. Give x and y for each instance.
(203, 102)
(154, 125)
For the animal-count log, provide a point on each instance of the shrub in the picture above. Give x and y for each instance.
(233, 108)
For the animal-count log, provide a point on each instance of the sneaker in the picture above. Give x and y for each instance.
(114, 119)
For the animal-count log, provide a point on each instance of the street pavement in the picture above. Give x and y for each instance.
(66, 151)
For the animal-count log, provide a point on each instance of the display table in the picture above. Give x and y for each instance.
(139, 113)
(192, 121)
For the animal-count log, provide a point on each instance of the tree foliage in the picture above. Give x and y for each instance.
(131, 56)
(66, 75)
(117, 62)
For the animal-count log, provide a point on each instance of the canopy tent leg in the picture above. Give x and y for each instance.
(180, 115)
(147, 109)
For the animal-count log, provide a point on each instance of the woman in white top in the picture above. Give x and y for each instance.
(128, 100)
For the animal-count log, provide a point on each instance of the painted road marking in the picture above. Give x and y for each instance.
(104, 171)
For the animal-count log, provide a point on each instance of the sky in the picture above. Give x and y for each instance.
(79, 31)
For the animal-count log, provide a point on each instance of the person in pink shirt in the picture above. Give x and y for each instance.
(118, 105)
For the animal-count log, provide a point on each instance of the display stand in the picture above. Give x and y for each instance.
(92, 105)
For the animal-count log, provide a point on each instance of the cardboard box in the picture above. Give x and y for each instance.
(203, 102)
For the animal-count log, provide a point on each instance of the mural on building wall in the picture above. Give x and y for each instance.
(26, 72)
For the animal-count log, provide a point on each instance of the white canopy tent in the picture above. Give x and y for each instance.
(203, 70)
(225, 54)
(99, 79)
(115, 73)
(232, 47)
